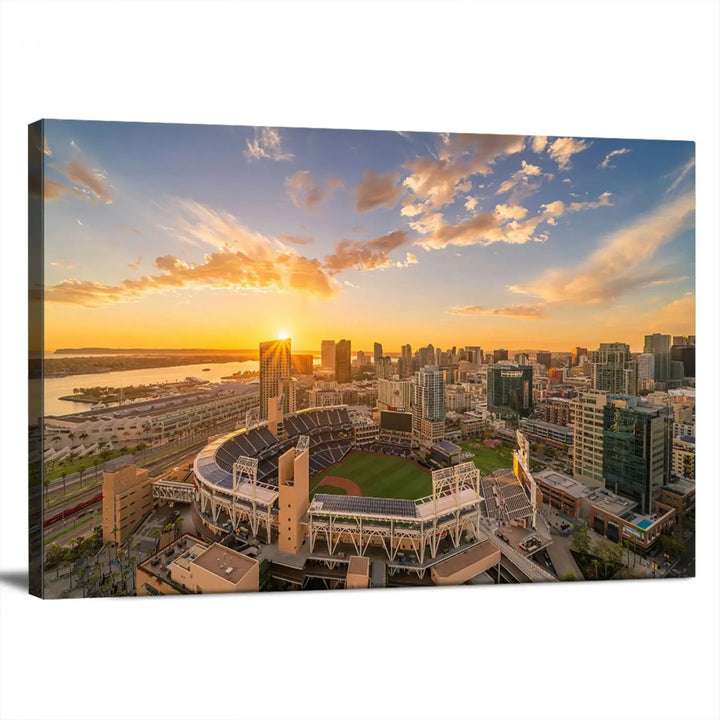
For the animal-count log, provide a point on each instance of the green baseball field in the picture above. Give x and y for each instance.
(375, 476)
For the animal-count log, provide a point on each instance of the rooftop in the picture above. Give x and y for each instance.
(454, 564)
(358, 565)
(385, 507)
(560, 481)
(225, 563)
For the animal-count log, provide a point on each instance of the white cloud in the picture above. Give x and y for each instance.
(684, 170)
(564, 148)
(266, 143)
(613, 153)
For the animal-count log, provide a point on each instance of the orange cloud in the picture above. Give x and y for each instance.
(365, 254)
(620, 265)
(527, 312)
(93, 180)
(376, 190)
(433, 182)
(305, 192)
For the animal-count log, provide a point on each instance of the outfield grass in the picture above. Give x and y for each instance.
(380, 476)
(489, 459)
(329, 490)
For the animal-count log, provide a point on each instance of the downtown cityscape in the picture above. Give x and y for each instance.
(285, 359)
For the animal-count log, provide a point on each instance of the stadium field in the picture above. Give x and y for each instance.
(379, 476)
(488, 459)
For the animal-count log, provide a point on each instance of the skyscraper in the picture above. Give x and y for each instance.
(500, 355)
(608, 371)
(637, 450)
(275, 368)
(377, 352)
(394, 395)
(587, 413)
(509, 389)
(384, 368)
(578, 354)
(327, 355)
(405, 364)
(659, 345)
(429, 405)
(343, 372)
(543, 358)
(474, 354)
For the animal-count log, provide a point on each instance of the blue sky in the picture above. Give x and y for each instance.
(216, 236)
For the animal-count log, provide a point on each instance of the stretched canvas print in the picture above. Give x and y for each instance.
(285, 359)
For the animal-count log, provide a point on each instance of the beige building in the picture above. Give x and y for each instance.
(127, 497)
(358, 574)
(466, 565)
(587, 412)
(293, 494)
(190, 565)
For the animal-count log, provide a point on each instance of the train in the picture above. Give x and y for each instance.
(72, 511)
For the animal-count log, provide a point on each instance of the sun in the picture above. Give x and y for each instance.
(283, 335)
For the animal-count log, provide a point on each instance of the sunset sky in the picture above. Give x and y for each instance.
(170, 236)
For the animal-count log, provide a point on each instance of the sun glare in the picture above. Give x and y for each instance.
(283, 335)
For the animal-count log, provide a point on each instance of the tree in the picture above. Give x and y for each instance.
(672, 544)
(569, 576)
(581, 541)
(596, 564)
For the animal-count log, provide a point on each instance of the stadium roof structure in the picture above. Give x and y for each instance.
(368, 506)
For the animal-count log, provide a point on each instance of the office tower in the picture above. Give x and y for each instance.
(686, 355)
(543, 358)
(609, 366)
(645, 367)
(691, 339)
(343, 372)
(327, 355)
(557, 411)
(425, 356)
(578, 354)
(637, 451)
(406, 361)
(509, 389)
(588, 413)
(428, 405)
(659, 345)
(377, 352)
(500, 355)
(474, 354)
(303, 364)
(394, 395)
(361, 360)
(679, 340)
(522, 359)
(275, 364)
(384, 368)
(630, 378)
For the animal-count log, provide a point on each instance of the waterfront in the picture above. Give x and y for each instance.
(55, 388)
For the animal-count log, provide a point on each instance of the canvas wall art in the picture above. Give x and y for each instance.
(270, 359)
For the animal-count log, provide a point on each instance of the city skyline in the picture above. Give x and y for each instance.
(159, 235)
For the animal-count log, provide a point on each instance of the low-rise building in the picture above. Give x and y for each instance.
(127, 498)
(190, 565)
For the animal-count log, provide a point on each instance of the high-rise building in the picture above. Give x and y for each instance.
(474, 354)
(425, 356)
(544, 358)
(522, 359)
(578, 353)
(361, 360)
(609, 367)
(406, 361)
(500, 355)
(394, 395)
(327, 355)
(384, 368)
(377, 352)
(509, 389)
(637, 450)
(659, 345)
(275, 366)
(588, 413)
(679, 340)
(343, 373)
(686, 355)
(428, 405)
(303, 364)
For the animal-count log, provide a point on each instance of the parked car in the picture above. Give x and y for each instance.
(502, 536)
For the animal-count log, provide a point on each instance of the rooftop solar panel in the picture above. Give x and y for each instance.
(365, 505)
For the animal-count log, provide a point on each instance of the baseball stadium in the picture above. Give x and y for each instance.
(314, 500)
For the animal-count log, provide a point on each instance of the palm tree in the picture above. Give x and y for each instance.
(596, 564)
